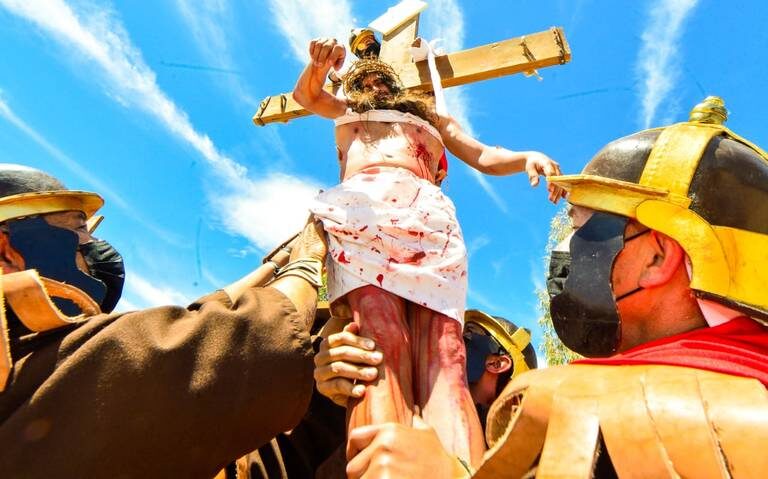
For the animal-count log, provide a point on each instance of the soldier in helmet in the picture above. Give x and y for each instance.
(497, 351)
(169, 391)
(363, 43)
(662, 287)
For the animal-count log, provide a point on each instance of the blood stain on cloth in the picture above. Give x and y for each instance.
(342, 258)
(380, 278)
(414, 198)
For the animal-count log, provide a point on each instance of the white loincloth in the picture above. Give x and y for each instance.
(394, 230)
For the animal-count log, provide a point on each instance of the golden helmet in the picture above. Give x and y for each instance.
(700, 184)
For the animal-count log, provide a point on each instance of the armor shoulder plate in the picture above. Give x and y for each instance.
(655, 421)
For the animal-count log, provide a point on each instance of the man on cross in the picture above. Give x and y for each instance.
(398, 264)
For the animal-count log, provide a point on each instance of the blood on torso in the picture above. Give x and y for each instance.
(365, 144)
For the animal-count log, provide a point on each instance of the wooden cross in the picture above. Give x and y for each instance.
(399, 27)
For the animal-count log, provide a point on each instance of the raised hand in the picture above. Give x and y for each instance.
(326, 53)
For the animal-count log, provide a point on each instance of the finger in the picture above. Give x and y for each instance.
(550, 168)
(325, 51)
(339, 54)
(339, 390)
(348, 354)
(342, 369)
(361, 437)
(314, 49)
(350, 339)
(357, 467)
(533, 174)
(353, 328)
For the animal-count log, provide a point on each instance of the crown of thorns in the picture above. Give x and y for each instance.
(362, 68)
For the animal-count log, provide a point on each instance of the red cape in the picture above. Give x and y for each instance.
(738, 347)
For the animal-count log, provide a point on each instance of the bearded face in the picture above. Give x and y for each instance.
(378, 91)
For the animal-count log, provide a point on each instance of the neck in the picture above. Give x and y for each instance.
(484, 390)
(673, 310)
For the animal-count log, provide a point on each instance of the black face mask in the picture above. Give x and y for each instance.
(105, 264)
(51, 251)
(582, 304)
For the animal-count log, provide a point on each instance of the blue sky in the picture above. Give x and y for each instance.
(150, 104)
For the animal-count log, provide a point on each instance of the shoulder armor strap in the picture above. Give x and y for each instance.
(656, 421)
(29, 295)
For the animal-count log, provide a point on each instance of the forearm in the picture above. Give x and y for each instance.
(498, 161)
(490, 160)
(309, 86)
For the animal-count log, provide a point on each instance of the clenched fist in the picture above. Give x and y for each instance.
(326, 52)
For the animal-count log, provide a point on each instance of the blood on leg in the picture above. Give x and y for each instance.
(440, 384)
(381, 316)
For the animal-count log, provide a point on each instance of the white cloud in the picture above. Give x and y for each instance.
(97, 37)
(72, 165)
(658, 59)
(251, 208)
(149, 295)
(299, 21)
(125, 305)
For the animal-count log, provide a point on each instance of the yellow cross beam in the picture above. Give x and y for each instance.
(507, 57)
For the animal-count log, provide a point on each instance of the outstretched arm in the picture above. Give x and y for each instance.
(324, 53)
(498, 161)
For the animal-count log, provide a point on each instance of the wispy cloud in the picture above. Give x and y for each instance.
(658, 60)
(476, 244)
(487, 305)
(147, 294)
(299, 21)
(76, 168)
(96, 36)
(211, 25)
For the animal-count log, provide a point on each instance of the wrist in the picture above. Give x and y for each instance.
(309, 268)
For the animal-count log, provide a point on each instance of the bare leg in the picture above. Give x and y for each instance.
(440, 387)
(381, 316)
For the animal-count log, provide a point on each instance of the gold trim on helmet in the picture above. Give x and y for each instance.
(727, 262)
(513, 343)
(357, 36)
(42, 202)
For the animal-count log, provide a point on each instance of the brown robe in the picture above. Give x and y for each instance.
(299, 453)
(165, 392)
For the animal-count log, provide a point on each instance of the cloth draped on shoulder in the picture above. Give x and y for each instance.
(389, 228)
(738, 347)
